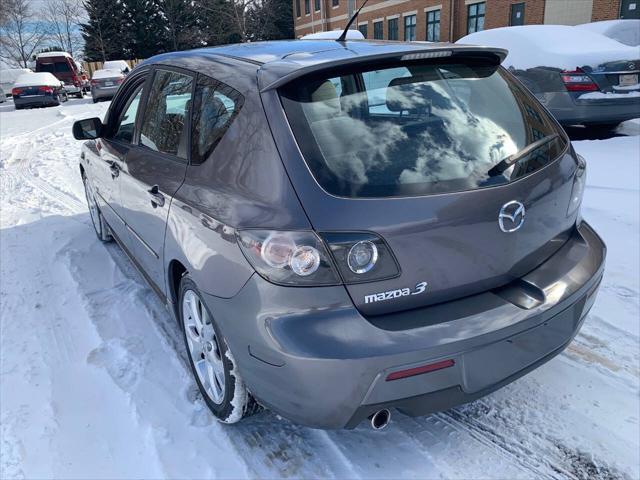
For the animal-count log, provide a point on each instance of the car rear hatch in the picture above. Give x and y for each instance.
(617, 79)
(107, 82)
(457, 169)
(31, 91)
(58, 67)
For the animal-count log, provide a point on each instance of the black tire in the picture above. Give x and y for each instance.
(236, 402)
(17, 107)
(100, 225)
(95, 100)
(80, 94)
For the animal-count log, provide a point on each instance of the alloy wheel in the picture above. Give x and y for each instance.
(204, 346)
(93, 206)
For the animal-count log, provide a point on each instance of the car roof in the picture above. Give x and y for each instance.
(278, 62)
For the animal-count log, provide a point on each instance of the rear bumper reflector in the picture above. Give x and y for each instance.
(410, 372)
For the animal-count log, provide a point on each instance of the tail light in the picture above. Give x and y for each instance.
(16, 91)
(579, 184)
(75, 80)
(94, 83)
(119, 80)
(578, 81)
(288, 258)
(361, 256)
(48, 90)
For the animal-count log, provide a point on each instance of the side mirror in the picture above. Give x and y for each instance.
(88, 129)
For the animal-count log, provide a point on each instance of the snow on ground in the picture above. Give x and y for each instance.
(95, 381)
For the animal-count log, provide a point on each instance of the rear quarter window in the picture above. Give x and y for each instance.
(418, 128)
(216, 106)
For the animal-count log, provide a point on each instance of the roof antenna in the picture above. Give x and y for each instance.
(343, 36)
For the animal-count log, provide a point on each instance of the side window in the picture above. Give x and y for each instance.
(377, 84)
(124, 132)
(215, 107)
(165, 117)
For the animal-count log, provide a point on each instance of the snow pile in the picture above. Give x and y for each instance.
(608, 95)
(40, 79)
(100, 74)
(557, 46)
(623, 31)
(119, 65)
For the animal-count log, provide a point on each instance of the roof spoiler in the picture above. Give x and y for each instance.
(446, 50)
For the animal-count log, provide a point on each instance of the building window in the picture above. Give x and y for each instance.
(307, 7)
(378, 33)
(475, 17)
(433, 26)
(297, 8)
(392, 25)
(363, 29)
(335, 3)
(316, 5)
(410, 28)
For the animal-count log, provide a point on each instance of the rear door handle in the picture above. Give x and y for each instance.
(157, 199)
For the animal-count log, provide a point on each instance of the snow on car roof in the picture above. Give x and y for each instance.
(106, 74)
(37, 80)
(115, 65)
(558, 46)
(624, 31)
(53, 54)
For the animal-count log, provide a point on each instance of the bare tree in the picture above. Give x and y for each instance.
(21, 32)
(63, 18)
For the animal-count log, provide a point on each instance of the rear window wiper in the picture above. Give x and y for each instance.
(505, 163)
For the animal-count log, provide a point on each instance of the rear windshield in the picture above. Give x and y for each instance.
(418, 128)
(57, 67)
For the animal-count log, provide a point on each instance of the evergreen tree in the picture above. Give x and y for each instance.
(182, 31)
(271, 20)
(102, 32)
(144, 28)
(215, 22)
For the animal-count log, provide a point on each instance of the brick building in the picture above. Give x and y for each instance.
(449, 20)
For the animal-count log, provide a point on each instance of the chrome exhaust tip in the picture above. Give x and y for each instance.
(380, 419)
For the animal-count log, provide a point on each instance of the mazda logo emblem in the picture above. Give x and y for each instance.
(511, 216)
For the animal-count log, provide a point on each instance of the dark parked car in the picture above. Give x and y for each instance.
(38, 90)
(582, 77)
(346, 228)
(64, 68)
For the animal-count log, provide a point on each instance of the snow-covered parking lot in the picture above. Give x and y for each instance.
(95, 381)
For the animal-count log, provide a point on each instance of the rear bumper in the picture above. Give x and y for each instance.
(103, 92)
(36, 101)
(309, 355)
(572, 111)
(70, 88)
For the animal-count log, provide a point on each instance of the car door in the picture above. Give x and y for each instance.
(155, 168)
(113, 148)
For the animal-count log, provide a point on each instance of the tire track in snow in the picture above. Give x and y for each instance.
(18, 166)
(544, 457)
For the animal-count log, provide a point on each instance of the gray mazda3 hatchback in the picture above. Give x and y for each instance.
(346, 228)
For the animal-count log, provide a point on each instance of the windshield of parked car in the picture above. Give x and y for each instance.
(418, 128)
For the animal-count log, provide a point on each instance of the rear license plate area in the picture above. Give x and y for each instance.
(494, 363)
(628, 80)
(108, 84)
